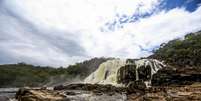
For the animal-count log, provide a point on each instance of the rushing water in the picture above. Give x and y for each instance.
(106, 73)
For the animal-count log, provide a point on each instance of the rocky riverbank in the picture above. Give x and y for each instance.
(74, 92)
(90, 92)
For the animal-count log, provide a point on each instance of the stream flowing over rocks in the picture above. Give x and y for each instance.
(125, 80)
(123, 72)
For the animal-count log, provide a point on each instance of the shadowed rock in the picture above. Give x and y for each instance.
(176, 76)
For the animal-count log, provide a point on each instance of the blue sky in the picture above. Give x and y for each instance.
(59, 33)
(189, 5)
(164, 5)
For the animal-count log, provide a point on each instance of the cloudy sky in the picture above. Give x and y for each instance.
(62, 32)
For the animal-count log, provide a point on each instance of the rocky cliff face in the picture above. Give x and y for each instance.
(172, 76)
(122, 72)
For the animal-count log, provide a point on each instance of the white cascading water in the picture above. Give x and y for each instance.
(153, 63)
(107, 71)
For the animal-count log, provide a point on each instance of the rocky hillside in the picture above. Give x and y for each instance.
(181, 52)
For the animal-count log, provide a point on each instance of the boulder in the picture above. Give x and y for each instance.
(138, 85)
(39, 95)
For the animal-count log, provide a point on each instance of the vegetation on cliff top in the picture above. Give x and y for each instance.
(181, 52)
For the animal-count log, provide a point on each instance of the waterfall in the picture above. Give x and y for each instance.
(106, 72)
(121, 72)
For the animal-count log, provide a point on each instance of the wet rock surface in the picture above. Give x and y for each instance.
(176, 93)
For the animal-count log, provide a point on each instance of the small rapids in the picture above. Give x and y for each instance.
(120, 72)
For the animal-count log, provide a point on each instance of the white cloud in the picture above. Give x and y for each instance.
(80, 20)
(77, 14)
(21, 42)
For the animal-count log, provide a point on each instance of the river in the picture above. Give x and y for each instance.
(8, 94)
